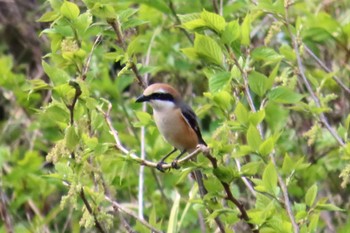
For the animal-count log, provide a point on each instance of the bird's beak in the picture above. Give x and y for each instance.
(142, 98)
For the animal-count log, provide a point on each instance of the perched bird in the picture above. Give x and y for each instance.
(175, 120)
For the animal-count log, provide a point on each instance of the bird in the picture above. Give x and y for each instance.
(175, 120)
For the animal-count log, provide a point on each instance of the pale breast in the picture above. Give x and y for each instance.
(175, 129)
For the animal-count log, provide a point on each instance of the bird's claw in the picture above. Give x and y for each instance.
(160, 166)
(175, 165)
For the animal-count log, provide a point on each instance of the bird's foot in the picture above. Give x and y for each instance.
(160, 166)
(175, 165)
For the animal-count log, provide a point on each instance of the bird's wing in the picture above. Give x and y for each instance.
(191, 118)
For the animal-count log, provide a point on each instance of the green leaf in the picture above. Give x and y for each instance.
(288, 164)
(314, 222)
(225, 174)
(284, 95)
(208, 49)
(269, 179)
(347, 123)
(194, 24)
(56, 75)
(310, 195)
(266, 54)
(251, 168)
(231, 33)
(329, 207)
(48, 16)
(214, 21)
(69, 10)
(71, 138)
(253, 137)
(104, 11)
(241, 113)
(173, 219)
(144, 117)
(245, 40)
(219, 81)
(256, 118)
(267, 146)
(258, 83)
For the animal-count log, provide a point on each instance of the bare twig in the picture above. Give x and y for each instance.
(143, 133)
(215, 6)
(134, 215)
(88, 60)
(133, 156)
(320, 63)
(245, 180)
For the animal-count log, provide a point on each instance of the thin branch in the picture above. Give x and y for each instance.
(133, 156)
(88, 60)
(75, 99)
(173, 11)
(323, 118)
(120, 39)
(215, 6)
(229, 194)
(245, 180)
(320, 63)
(88, 207)
(4, 215)
(132, 214)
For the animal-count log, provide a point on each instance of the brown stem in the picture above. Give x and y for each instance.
(88, 207)
(229, 194)
(76, 96)
(120, 39)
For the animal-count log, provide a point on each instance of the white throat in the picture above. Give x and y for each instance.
(162, 105)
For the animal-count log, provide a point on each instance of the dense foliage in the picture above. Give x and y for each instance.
(268, 79)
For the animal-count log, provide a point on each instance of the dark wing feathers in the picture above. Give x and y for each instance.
(191, 119)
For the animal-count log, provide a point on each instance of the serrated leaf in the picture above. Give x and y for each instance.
(284, 95)
(69, 10)
(194, 24)
(253, 138)
(288, 164)
(56, 75)
(225, 174)
(241, 113)
(267, 146)
(189, 17)
(256, 118)
(208, 48)
(266, 54)
(144, 117)
(213, 21)
(251, 168)
(258, 83)
(48, 16)
(310, 195)
(219, 81)
(329, 207)
(269, 178)
(231, 33)
(71, 138)
(63, 169)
